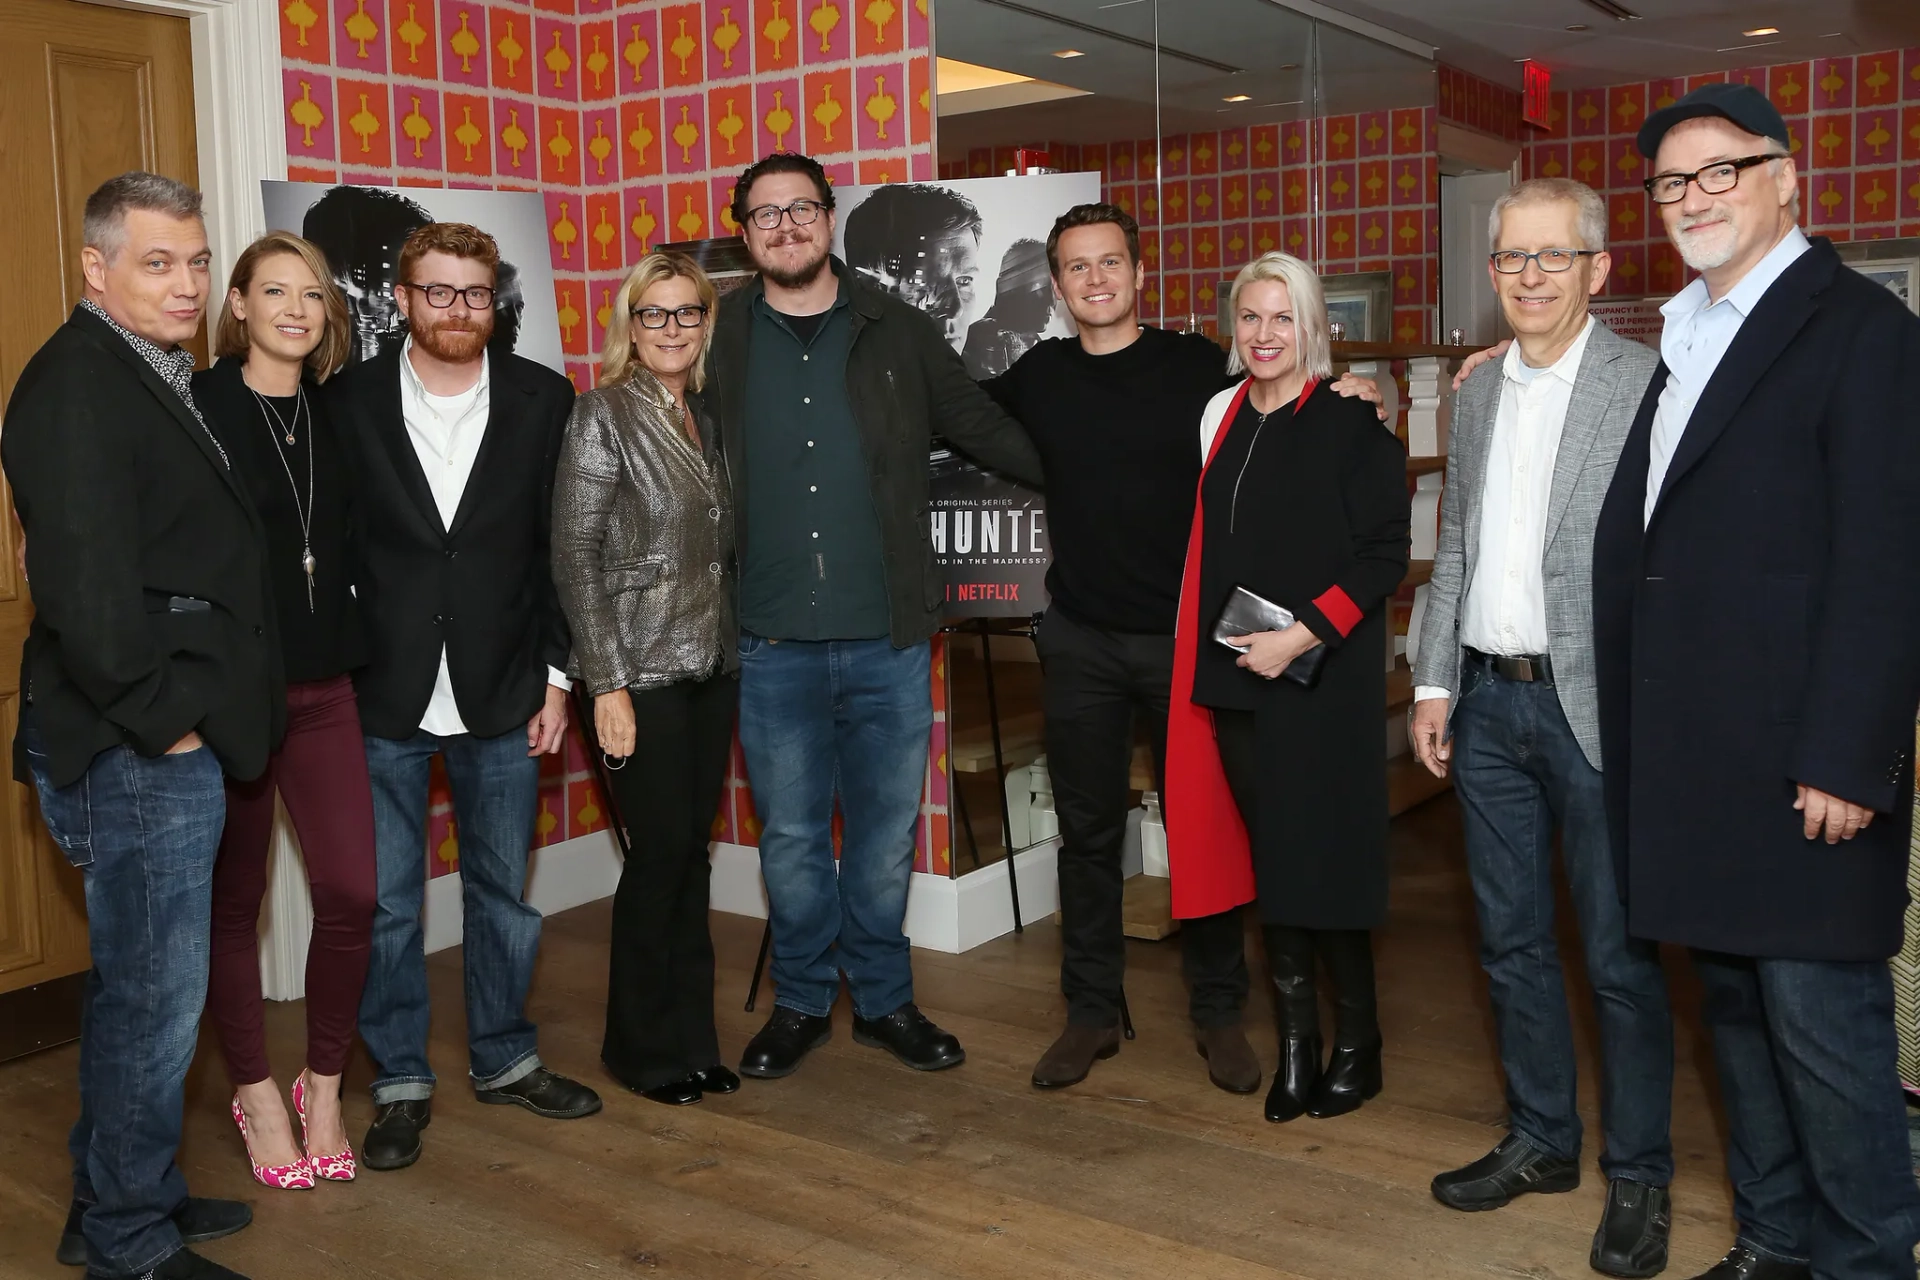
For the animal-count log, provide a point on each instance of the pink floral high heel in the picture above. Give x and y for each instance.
(285, 1177)
(335, 1168)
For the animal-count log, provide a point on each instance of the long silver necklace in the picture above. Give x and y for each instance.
(288, 430)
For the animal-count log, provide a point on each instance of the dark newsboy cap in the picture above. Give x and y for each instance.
(1743, 104)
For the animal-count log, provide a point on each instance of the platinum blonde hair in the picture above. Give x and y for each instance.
(1309, 310)
(1591, 226)
(617, 361)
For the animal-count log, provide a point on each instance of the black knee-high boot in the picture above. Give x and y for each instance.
(1353, 1070)
(1297, 1013)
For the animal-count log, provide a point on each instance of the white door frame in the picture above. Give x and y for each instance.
(238, 117)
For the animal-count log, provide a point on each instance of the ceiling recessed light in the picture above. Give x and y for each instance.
(1289, 66)
(1238, 97)
(1761, 31)
(1579, 26)
(1068, 53)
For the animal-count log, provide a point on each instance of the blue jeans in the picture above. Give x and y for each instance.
(144, 832)
(1519, 773)
(1817, 1128)
(495, 801)
(820, 718)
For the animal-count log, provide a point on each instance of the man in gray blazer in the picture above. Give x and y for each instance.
(1506, 668)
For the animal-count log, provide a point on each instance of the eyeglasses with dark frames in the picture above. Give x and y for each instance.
(802, 212)
(1715, 179)
(441, 296)
(1511, 262)
(688, 317)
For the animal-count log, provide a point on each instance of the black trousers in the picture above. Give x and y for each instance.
(660, 978)
(1097, 683)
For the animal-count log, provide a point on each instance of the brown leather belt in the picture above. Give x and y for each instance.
(1525, 669)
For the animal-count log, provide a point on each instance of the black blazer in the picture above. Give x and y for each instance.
(906, 386)
(482, 588)
(1762, 631)
(126, 504)
(324, 640)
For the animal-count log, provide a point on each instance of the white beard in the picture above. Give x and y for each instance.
(1711, 250)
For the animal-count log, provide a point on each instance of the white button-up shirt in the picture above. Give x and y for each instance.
(446, 432)
(1696, 336)
(1505, 608)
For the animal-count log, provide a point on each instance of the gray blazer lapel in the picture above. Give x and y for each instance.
(1586, 412)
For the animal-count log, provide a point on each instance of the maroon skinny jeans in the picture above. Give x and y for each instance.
(320, 770)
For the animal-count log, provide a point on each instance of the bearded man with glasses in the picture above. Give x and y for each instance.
(453, 450)
(827, 391)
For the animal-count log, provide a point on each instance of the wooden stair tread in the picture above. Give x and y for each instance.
(1409, 784)
(1146, 908)
(1021, 743)
(1423, 466)
(1419, 573)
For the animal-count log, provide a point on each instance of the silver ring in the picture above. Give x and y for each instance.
(611, 766)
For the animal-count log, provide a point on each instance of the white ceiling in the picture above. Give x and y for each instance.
(1671, 38)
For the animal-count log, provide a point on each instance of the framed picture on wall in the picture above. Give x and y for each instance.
(1893, 263)
(1362, 303)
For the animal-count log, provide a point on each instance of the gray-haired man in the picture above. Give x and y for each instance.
(151, 667)
(1506, 663)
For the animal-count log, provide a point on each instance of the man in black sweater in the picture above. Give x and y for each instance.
(1115, 414)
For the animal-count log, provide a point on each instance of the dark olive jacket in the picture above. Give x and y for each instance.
(906, 386)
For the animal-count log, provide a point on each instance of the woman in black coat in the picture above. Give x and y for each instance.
(1304, 503)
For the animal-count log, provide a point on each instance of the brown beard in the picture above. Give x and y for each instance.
(455, 342)
(797, 277)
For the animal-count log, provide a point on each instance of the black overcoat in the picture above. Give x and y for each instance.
(1764, 630)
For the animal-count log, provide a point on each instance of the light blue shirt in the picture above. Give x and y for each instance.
(1695, 339)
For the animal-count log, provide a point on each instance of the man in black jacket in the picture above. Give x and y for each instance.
(151, 664)
(454, 450)
(827, 394)
(1756, 596)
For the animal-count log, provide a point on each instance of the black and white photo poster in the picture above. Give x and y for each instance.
(361, 229)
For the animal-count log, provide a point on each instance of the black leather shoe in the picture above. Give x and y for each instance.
(1632, 1239)
(545, 1093)
(908, 1035)
(199, 1219)
(717, 1079)
(674, 1093)
(393, 1140)
(1351, 1077)
(780, 1046)
(1744, 1264)
(1294, 1079)
(184, 1264)
(1513, 1168)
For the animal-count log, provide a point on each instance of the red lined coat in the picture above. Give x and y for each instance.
(1320, 526)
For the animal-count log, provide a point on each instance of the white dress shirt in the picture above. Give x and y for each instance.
(1505, 608)
(446, 432)
(1697, 334)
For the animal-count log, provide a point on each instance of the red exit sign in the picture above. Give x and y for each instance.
(1536, 94)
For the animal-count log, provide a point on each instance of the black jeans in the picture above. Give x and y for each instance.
(660, 977)
(1097, 682)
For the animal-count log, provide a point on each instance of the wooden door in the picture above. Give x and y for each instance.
(89, 92)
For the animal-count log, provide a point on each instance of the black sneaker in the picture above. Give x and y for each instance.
(393, 1140)
(1632, 1239)
(183, 1264)
(779, 1047)
(198, 1220)
(907, 1034)
(545, 1093)
(1513, 1168)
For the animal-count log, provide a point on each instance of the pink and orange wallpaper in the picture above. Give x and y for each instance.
(1855, 126)
(1233, 194)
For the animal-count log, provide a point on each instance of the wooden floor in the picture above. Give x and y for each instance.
(857, 1167)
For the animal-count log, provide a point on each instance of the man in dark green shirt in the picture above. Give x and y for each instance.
(827, 393)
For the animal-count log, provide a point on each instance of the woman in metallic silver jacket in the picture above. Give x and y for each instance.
(643, 558)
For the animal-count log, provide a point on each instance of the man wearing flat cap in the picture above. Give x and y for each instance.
(1757, 628)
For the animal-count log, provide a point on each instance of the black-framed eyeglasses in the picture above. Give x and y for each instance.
(1716, 179)
(1511, 262)
(441, 296)
(688, 317)
(767, 216)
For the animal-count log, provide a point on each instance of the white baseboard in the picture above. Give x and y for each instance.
(943, 913)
